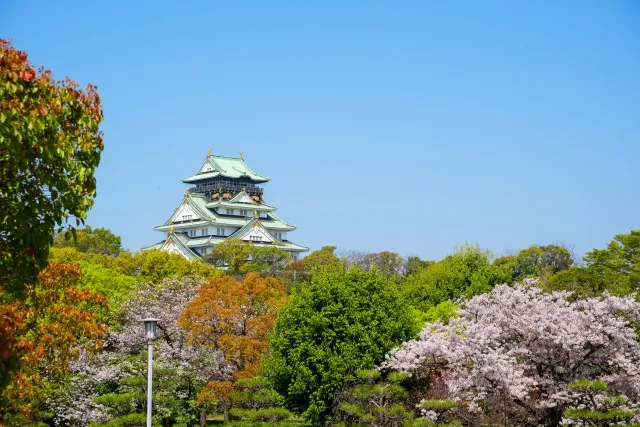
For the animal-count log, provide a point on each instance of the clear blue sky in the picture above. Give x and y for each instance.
(404, 126)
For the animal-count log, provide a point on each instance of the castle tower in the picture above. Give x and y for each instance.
(225, 201)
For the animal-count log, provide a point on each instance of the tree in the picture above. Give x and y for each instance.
(594, 405)
(388, 263)
(372, 401)
(615, 269)
(111, 388)
(50, 145)
(155, 265)
(353, 258)
(232, 254)
(267, 260)
(536, 260)
(91, 240)
(512, 354)
(294, 275)
(468, 271)
(152, 265)
(339, 322)
(233, 317)
(256, 404)
(59, 319)
(415, 264)
(325, 257)
(116, 287)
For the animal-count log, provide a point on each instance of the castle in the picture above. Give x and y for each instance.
(225, 201)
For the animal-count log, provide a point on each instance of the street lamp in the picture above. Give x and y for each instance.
(150, 328)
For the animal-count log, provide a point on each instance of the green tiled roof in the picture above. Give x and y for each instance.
(199, 203)
(166, 226)
(203, 241)
(154, 246)
(185, 244)
(180, 242)
(270, 224)
(293, 247)
(246, 206)
(248, 226)
(229, 167)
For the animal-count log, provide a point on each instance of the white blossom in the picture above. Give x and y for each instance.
(524, 345)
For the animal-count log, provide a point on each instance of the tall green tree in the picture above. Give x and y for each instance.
(233, 254)
(413, 264)
(538, 260)
(267, 260)
(341, 321)
(146, 266)
(388, 263)
(615, 269)
(91, 240)
(50, 146)
(467, 272)
(324, 257)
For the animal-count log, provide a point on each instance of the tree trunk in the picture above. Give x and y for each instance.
(225, 410)
(203, 419)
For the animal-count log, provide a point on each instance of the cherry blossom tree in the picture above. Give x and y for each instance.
(511, 355)
(183, 370)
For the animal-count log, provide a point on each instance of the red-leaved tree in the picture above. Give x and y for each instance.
(233, 317)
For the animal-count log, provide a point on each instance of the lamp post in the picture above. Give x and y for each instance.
(150, 327)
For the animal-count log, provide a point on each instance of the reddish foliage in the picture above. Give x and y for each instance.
(233, 317)
(46, 331)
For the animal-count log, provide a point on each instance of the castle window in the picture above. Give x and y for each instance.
(229, 211)
(220, 231)
(243, 212)
(204, 231)
(186, 217)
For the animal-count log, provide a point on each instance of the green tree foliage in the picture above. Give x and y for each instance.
(149, 266)
(389, 264)
(371, 400)
(324, 257)
(341, 321)
(126, 399)
(413, 264)
(50, 146)
(267, 260)
(232, 254)
(256, 404)
(155, 265)
(615, 269)
(90, 240)
(467, 272)
(538, 260)
(115, 286)
(595, 405)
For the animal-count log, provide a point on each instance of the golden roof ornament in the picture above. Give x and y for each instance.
(186, 191)
(255, 214)
(241, 156)
(172, 229)
(209, 152)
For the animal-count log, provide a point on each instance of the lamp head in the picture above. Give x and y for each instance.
(150, 327)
